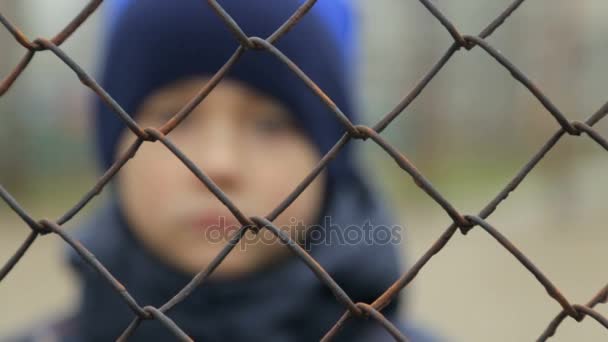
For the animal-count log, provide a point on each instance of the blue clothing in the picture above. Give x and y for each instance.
(285, 302)
(337, 14)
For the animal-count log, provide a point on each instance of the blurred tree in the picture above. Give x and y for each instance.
(12, 165)
(562, 75)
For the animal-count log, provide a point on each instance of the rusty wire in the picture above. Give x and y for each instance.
(360, 310)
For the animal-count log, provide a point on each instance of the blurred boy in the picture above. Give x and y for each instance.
(256, 135)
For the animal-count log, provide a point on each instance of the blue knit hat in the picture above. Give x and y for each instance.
(339, 15)
(155, 42)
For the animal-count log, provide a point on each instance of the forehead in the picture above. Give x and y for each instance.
(228, 91)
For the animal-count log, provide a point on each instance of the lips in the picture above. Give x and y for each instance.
(216, 221)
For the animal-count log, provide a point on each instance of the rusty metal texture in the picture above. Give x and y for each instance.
(353, 310)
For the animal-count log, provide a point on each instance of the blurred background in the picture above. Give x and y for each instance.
(469, 133)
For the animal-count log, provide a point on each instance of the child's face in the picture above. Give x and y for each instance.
(248, 145)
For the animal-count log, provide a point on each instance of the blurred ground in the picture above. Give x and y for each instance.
(474, 290)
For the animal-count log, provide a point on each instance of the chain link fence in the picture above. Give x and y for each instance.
(461, 222)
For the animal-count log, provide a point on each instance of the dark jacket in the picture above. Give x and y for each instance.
(286, 302)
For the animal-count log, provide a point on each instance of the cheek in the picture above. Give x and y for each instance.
(147, 183)
(279, 172)
(306, 207)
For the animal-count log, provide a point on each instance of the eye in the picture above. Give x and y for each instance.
(155, 118)
(166, 116)
(272, 124)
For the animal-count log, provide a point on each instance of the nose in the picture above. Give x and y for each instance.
(216, 152)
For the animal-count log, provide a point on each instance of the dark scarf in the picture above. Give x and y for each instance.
(285, 302)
